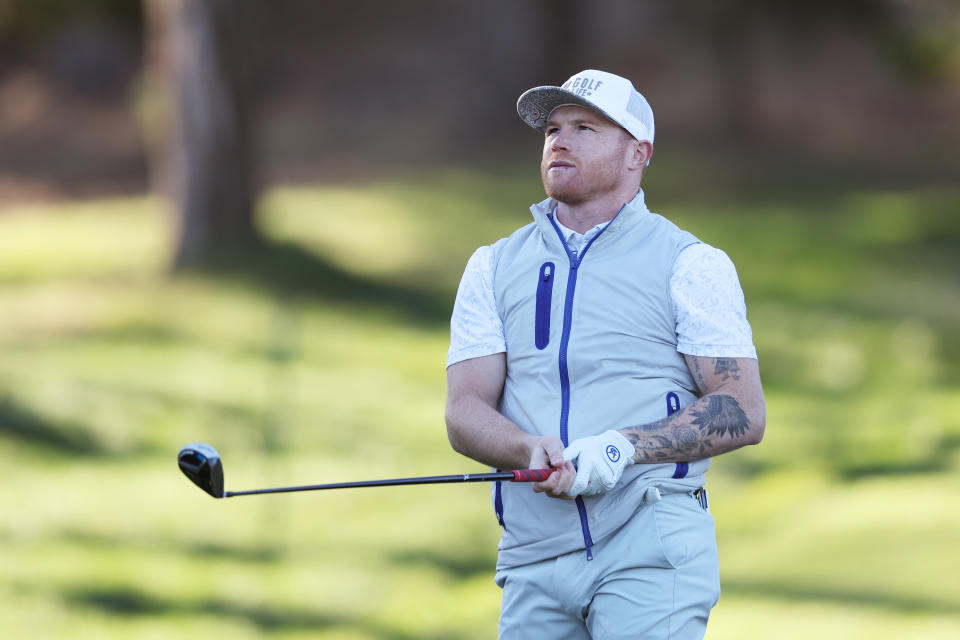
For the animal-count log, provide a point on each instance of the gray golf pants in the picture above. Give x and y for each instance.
(656, 578)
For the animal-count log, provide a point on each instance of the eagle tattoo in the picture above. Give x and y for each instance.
(722, 416)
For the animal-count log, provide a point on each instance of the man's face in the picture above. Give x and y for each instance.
(585, 156)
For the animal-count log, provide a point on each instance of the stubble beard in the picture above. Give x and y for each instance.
(587, 185)
(591, 180)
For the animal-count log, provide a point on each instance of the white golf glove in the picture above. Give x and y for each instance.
(600, 461)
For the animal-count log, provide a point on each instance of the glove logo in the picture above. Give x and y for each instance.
(613, 453)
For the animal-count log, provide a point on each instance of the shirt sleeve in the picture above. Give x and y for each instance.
(709, 309)
(475, 326)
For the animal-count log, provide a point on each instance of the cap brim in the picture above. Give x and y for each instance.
(536, 105)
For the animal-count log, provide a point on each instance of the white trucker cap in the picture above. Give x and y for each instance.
(609, 95)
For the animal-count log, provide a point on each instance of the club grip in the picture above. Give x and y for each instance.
(531, 475)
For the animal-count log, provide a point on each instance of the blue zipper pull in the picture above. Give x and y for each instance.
(673, 403)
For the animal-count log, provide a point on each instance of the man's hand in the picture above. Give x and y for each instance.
(600, 462)
(548, 452)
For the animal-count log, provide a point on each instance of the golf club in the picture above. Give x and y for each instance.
(201, 463)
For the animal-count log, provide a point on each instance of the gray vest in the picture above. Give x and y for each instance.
(591, 345)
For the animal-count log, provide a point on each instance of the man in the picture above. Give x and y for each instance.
(604, 342)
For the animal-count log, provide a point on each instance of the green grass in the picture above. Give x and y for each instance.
(838, 526)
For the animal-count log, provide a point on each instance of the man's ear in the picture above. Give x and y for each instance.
(641, 153)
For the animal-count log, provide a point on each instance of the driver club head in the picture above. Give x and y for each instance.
(201, 463)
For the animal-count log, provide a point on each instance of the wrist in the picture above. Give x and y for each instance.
(623, 445)
(535, 451)
(530, 444)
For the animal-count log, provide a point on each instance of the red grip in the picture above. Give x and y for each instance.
(531, 475)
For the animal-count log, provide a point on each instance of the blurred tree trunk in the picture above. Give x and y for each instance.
(202, 49)
(560, 24)
(742, 114)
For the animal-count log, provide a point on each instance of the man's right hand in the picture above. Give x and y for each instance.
(548, 452)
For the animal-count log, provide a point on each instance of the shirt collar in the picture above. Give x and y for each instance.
(570, 235)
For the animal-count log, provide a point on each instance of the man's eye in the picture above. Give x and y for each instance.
(550, 130)
(584, 127)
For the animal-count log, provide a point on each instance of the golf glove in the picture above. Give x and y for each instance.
(600, 461)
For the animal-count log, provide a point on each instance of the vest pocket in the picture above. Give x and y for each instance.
(541, 334)
(673, 405)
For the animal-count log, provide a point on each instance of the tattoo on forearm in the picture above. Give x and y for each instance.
(722, 416)
(654, 427)
(666, 439)
(728, 368)
(689, 434)
(686, 438)
(700, 383)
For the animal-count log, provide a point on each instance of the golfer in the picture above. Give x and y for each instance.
(605, 342)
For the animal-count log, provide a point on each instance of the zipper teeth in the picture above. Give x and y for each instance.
(575, 261)
(564, 342)
(585, 527)
(565, 388)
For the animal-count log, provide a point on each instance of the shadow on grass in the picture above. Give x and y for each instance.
(938, 463)
(461, 564)
(839, 456)
(841, 597)
(744, 468)
(221, 411)
(287, 270)
(22, 424)
(125, 601)
(253, 554)
(939, 460)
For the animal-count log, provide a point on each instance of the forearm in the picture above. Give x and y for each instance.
(716, 423)
(479, 431)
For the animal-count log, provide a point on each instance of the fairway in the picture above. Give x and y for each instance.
(324, 362)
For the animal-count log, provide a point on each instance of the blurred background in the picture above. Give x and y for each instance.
(244, 222)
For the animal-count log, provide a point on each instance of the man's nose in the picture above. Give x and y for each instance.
(560, 142)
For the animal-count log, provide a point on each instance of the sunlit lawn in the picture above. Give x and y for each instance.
(840, 525)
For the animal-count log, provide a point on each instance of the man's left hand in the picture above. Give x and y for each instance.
(600, 462)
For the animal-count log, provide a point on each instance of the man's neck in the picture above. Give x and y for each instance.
(582, 217)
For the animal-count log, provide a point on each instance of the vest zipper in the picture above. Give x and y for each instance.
(575, 261)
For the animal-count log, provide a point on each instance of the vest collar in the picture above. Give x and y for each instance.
(630, 214)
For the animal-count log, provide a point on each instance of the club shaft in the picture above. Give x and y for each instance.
(508, 476)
